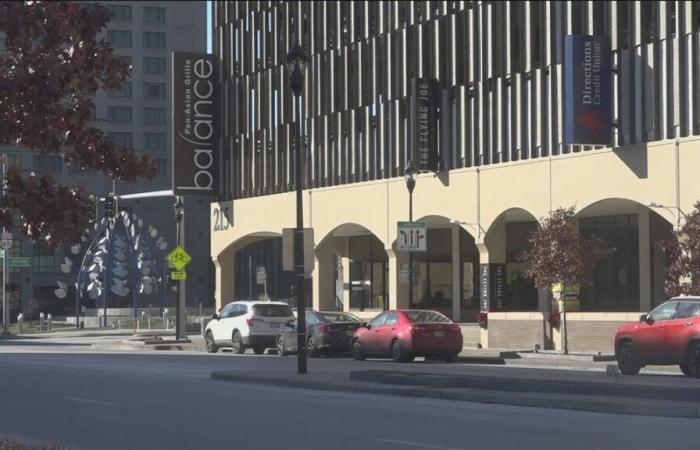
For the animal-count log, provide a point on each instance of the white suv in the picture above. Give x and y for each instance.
(247, 324)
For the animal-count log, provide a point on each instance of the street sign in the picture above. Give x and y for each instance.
(261, 275)
(6, 242)
(20, 261)
(179, 258)
(413, 237)
(178, 275)
(288, 250)
(2, 252)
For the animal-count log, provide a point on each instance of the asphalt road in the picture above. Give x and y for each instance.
(153, 401)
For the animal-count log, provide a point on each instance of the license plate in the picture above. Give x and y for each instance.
(274, 325)
(348, 332)
(438, 333)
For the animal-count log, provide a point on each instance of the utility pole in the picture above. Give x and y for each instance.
(181, 318)
(5, 305)
(296, 64)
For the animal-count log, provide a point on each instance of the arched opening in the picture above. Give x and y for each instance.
(353, 271)
(631, 278)
(506, 239)
(445, 276)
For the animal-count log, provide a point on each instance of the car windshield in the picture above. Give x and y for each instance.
(272, 310)
(426, 317)
(340, 317)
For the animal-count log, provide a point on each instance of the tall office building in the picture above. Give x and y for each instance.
(137, 115)
(503, 159)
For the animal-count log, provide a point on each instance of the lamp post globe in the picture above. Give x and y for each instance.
(296, 65)
(410, 176)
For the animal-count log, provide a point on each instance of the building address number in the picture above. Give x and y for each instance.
(222, 214)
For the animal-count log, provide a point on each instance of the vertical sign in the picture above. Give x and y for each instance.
(423, 121)
(485, 286)
(194, 99)
(499, 282)
(587, 90)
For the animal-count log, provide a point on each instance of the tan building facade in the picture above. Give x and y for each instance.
(503, 164)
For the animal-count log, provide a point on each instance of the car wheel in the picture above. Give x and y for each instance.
(312, 348)
(451, 357)
(209, 341)
(357, 352)
(628, 360)
(259, 350)
(685, 368)
(237, 343)
(281, 348)
(398, 353)
(694, 360)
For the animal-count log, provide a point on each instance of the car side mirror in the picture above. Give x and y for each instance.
(643, 318)
(214, 317)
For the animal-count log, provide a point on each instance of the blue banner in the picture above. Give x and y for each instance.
(587, 90)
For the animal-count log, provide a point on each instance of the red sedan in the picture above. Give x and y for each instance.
(404, 334)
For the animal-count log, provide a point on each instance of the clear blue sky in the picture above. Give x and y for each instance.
(209, 26)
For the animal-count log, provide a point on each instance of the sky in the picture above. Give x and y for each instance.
(208, 26)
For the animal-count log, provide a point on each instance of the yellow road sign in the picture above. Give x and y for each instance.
(179, 258)
(178, 275)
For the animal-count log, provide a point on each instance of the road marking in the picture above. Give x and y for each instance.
(416, 444)
(87, 400)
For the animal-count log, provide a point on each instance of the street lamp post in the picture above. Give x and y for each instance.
(181, 318)
(296, 64)
(410, 175)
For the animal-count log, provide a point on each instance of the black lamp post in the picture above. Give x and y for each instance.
(410, 175)
(296, 64)
(180, 319)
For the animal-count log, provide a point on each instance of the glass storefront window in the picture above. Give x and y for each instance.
(368, 273)
(615, 285)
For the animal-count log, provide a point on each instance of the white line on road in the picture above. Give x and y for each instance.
(416, 444)
(87, 400)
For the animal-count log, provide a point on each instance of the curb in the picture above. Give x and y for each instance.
(529, 385)
(554, 401)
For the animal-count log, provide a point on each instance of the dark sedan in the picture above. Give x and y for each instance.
(327, 332)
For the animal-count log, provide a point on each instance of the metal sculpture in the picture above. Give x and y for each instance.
(119, 259)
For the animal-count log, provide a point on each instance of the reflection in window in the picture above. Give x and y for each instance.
(615, 285)
(368, 273)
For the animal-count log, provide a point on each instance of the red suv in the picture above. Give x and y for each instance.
(670, 334)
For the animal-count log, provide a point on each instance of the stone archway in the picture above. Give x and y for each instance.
(351, 271)
(446, 275)
(505, 239)
(225, 265)
(631, 277)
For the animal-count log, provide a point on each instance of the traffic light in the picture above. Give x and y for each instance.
(91, 209)
(109, 206)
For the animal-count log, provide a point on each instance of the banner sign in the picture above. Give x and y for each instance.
(498, 284)
(485, 286)
(423, 124)
(194, 124)
(587, 90)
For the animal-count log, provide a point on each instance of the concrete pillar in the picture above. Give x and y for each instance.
(346, 273)
(225, 278)
(483, 259)
(644, 259)
(393, 279)
(324, 280)
(456, 275)
(402, 300)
